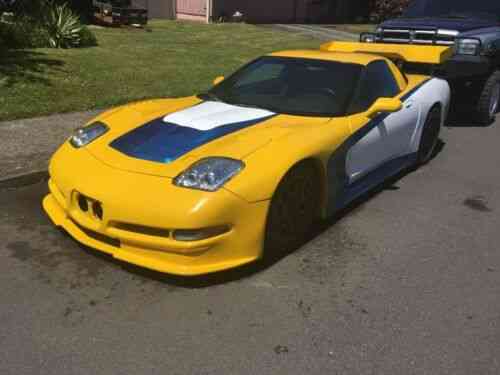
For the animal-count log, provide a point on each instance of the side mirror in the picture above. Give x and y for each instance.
(218, 80)
(385, 105)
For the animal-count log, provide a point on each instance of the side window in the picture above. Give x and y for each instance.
(376, 82)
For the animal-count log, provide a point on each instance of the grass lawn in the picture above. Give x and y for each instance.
(175, 59)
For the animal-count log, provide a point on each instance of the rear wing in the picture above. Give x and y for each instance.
(435, 55)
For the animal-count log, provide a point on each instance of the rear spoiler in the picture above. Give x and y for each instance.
(408, 53)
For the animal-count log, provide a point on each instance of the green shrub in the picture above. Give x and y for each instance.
(34, 8)
(63, 26)
(3, 35)
(55, 26)
(24, 33)
(87, 38)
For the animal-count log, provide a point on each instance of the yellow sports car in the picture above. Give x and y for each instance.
(205, 183)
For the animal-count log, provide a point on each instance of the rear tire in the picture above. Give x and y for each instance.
(489, 99)
(430, 136)
(293, 210)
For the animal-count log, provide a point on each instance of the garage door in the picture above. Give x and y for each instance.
(192, 7)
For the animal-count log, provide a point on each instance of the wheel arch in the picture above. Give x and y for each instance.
(442, 98)
(264, 173)
(317, 164)
(439, 94)
(436, 92)
(266, 167)
(442, 107)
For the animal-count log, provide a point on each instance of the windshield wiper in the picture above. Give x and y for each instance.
(210, 96)
(246, 105)
(255, 107)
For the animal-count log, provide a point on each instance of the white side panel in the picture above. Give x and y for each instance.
(399, 133)
(210, 115)
(435, 91)
(367, 153)
(389, 139)
(400, 128)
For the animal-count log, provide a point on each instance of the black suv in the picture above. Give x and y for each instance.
(472, 28)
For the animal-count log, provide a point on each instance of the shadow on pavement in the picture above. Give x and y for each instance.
(463, 115)
(464, 119)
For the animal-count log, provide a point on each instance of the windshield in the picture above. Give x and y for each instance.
(291, 86)
(457, 8)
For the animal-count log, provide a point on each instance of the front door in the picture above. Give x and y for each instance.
(192, 7)
(387, 136)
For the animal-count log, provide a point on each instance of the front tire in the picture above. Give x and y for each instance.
(430, 136)
(489, 99)
(293, 210)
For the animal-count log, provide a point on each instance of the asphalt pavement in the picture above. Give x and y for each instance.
(407, 281)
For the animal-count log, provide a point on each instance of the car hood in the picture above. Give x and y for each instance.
(164, 137)
(459, 24)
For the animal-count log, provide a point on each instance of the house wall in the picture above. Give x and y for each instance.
(274, 11)
(161, 9)
(264, 11)
(292, 11)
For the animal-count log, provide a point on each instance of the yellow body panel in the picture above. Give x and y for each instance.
(142, 206)
(339, 56)
(143, 201)
(406, 52)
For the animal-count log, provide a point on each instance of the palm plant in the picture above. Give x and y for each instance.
(62, 25)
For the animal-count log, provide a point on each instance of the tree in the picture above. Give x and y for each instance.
(33, 8)
(385, 9)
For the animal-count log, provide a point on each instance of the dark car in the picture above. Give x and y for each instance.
(120, 12)
(472, 28)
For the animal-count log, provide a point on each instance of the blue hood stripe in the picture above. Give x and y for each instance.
(163, 142)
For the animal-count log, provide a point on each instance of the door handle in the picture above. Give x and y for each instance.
(409, 104)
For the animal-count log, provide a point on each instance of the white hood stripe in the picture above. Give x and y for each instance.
(210, 115)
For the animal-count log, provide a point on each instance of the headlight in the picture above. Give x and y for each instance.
(209, 174)
(368, 38)
(467, 47)
(84, 136)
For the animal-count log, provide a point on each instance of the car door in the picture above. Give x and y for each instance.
(384, 137)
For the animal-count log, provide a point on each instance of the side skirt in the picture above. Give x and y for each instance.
(349, 192)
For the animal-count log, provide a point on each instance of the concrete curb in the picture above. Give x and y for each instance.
(26, 145)
(25, 179)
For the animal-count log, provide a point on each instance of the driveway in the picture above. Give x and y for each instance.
(405, 282)
(322, 32)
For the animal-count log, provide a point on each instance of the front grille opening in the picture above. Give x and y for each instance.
(141, 229)
(98, 236)
(410, 36)
(83, 203)
(90, 206)
(188, 235)
(97, 209)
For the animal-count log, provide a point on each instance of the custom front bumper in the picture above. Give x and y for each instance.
(133, 217)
